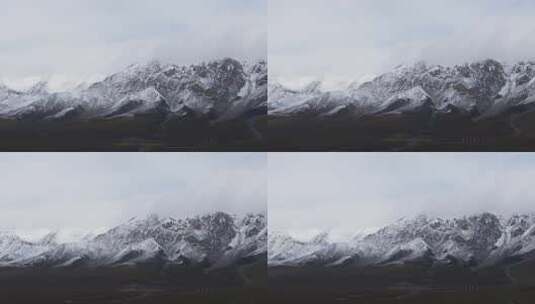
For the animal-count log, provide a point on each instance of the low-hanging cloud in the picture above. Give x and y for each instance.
(66, 41)
(350, 192)
(72, 191)
(341, 41)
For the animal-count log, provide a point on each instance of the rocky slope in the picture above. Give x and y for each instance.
(213, 240)
(478, 240)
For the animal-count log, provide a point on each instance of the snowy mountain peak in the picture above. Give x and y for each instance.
(313, 87)
(217, 239)
(40, 87)
(218, 90)
(321, 238)
(479, 239)
(49, 239)
(417, 67)
(482, 89)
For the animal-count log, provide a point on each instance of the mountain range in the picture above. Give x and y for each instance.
(213, 240)
(473, 241)
(219, 90)
(480, 90)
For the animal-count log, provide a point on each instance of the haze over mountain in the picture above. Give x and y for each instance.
(340, 42)
(349, 193)
(66, 43)
(77, 193)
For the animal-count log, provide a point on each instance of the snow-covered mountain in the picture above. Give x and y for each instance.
(214, 240)
(483, 239)
(285, 250)
(480, 89)
(218, 90)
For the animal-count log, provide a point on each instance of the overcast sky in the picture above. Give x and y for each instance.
(346, 193)
(90, 191)
(67, 41)
(344, 40)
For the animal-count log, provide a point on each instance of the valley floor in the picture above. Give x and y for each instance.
(144, 133)
(402, 284)
(246, 284)
(410, 132)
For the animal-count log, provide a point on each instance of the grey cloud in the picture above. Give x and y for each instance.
(88, 191)
(348, 192)
(77, 40)
(344, 40)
